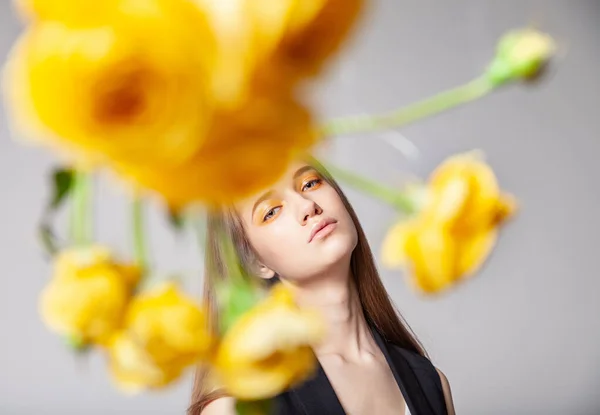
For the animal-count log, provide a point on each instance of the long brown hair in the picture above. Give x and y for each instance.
(375, 301)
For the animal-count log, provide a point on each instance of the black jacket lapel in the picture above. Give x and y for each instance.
(316, 396)
(405, 377)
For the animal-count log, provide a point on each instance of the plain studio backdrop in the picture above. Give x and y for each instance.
(523, 337)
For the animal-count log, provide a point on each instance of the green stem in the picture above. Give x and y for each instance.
(235, 292)
(396, 198)
(81, 215)
(199, 221)
(426, 108)
(139, 240)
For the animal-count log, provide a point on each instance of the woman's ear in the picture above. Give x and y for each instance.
(265, 272)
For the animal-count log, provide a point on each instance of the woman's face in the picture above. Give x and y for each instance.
(300, 227)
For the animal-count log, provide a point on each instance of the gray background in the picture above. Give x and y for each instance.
(521, 338)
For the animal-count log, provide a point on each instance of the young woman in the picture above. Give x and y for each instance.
(303, 232)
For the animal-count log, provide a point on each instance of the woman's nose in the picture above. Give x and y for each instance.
(306, 209)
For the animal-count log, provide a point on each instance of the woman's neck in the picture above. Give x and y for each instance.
(336, 297)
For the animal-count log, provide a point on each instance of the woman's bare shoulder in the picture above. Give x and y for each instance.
(447, 392)
(221, 406)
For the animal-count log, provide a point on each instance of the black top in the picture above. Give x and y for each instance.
(416, 377)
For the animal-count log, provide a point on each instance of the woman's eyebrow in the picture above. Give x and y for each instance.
(302, 170)
(261, 199)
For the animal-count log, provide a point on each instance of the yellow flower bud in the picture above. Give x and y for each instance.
(164, 332)
(268, 349)
(88, 294)
(521, 54)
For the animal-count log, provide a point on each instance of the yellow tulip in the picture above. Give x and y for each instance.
(88, 294)
(129, 83)
(268, 349)
(164, 332)
(246, 150)
(454, 233)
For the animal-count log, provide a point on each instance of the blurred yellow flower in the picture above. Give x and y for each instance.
(205, 114)
(116, 87)
(268, 349)
(133, 369)
(88, 294)
(455, 231)
(164, 332)
(266, 45)
(246, 150)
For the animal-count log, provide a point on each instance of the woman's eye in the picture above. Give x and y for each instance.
(311, 184)
(271, 213)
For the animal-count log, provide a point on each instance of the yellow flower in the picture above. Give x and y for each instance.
(266, 45)
(454, 233)
(88, 294)
(164, 332)
(129, 82)
(521, 54)
(268, 349)
(245, 151)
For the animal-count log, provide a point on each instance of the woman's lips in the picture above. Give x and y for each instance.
(322, 228)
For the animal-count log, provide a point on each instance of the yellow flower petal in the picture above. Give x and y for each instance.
(73, 12)
(170, 326)
(269, 377)
(506, 207)
(467, 185)
(265, 45)
(315, 31)
(432, 255)
(246, 150)
(448, 200)
(394, 245)
(269, 348)
(70, 260)
(474, 251)
(164, 333)
(133, 369)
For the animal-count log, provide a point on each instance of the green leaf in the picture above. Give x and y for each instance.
(62, 180)
(62, 185)
(240, 292)
(235, 299)
(47, 238)
(176, 219)
(262, 407)
(77, 344)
